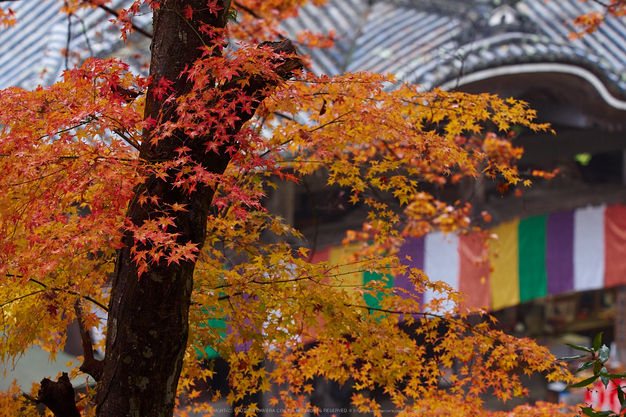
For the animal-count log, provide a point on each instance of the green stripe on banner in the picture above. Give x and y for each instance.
(370, 300)
(533, 281)
(209, 352)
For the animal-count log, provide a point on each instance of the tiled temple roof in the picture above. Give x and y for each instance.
(433, 42)
(428, 42)
(33, 51)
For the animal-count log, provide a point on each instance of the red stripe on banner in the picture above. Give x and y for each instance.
(615, 245)
(320, 256)
(474, 271)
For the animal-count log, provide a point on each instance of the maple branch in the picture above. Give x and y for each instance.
(110, 11)
(601, 3)
(117, 15)
(467, 326)
(20, 298)
(88, 120)
(283, 281)
(69, 38)
(284, 116)
(248, 10)
(86, 297)
(267, 152)
(82, 22)
(335, 120)
(41, 177)
(383, 310)
(91, 365)
(128, 139)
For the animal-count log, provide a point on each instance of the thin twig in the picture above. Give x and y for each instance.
(248, 10)
(601, 3)
(86, 297)
(69, 38)
(116, 14)
(20, 298)
(82, 22)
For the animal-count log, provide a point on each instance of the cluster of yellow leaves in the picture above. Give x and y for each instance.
(391, 144)
(301, 318)
(12, 403)
(317, 40)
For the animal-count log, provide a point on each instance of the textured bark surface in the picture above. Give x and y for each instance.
(58, 396)
(148, 316)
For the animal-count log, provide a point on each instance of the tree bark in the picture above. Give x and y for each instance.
(58, 396)
(148, 315)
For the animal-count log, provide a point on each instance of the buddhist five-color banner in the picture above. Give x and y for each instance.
(552, 254)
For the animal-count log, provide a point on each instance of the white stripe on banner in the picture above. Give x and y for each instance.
(441, 261)
(589, 248)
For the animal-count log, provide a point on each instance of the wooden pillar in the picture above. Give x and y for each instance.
(620, 324)
(282, 201)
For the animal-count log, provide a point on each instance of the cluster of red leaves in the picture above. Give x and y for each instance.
(210, 111)
(68, 174)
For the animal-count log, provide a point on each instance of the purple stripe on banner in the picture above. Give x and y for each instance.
(414, 249)
(559, 252)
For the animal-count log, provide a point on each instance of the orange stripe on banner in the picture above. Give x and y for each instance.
(474, 272)
(349, 275)
(615, 246)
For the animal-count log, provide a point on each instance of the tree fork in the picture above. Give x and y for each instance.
(58, 396)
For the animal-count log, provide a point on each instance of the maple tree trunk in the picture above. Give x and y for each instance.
(148, 315)
(147, 324)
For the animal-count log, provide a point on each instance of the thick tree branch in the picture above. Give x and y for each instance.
(58, 396)
(91, 365)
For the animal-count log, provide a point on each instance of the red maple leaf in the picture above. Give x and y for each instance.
(502, 187)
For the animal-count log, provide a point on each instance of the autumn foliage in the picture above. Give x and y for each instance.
(78, 156)
(589, 22)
